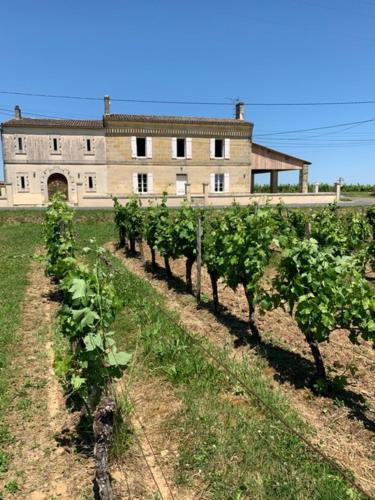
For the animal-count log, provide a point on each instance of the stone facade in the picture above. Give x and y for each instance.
(206, 159)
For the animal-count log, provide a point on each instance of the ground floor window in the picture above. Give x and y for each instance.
(90, 182)
(142, 183)
(219, 183)
(22, 182)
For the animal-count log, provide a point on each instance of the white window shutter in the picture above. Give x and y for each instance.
(189, 152)
(149, 147)
(212, 182)
(150, 183)
(134, 146)
(227, 149)
(212, 149)
(226, 183)
(135, 183)
(174, 147)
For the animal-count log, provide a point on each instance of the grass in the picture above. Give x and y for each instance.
(17, 244)
(228, 443)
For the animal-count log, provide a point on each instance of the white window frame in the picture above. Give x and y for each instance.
(214, 183)
(146, 183)
(51, 145)
(219, 183)
(148, 147)
(188, 148)
(226, 148)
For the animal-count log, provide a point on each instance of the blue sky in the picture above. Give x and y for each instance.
(261, 51)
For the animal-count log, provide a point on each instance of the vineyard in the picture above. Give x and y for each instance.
(162, 398)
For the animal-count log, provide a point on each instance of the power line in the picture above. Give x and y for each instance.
(183, 102)
(315, 128)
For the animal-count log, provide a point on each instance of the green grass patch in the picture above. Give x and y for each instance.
(17, 245)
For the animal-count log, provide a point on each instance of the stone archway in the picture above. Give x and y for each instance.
(57, 183)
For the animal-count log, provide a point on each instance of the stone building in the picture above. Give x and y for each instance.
(212, 161)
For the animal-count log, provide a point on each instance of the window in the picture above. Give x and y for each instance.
(220, 148)
(141, 146)
(90, 182)
(142, 183)
(180, 148)
(20, 144)
(55, 145)
(219, 183)
(88, 145)
(22, 182)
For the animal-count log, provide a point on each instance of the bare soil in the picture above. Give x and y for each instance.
(47, 460)
(146, 470)
(343, 427)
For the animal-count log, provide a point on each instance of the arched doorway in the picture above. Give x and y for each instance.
(57, 183)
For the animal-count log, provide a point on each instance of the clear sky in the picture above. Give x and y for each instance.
(261, 51)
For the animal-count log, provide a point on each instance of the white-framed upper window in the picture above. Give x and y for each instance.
(22, 183)
(20, 144)
(55, 145)
(219, 183)
(220, 149)
(181, 148)
(89, 145)
(90, 182)
(141, 147)
(142, 183)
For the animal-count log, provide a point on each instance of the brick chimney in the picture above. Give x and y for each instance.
(17, 112)
(240, 111)
(106, 105)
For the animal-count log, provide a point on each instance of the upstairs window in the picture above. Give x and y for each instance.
(20, 144)
(181, 148)
(88, 145)
(55, 145)
(220, 148)
(141, 147)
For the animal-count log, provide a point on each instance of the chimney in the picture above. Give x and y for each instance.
(106, 104)
(240, 111)
(17, 112)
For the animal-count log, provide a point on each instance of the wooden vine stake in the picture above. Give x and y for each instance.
(103, 430)
(199, 258)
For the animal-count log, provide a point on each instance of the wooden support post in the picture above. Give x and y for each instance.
(103, 430)
(199, 258)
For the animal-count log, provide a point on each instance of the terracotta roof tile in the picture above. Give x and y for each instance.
(49, 122)
(175, 119)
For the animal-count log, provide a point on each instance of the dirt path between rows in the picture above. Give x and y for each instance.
(45, 460)
(344, 429)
